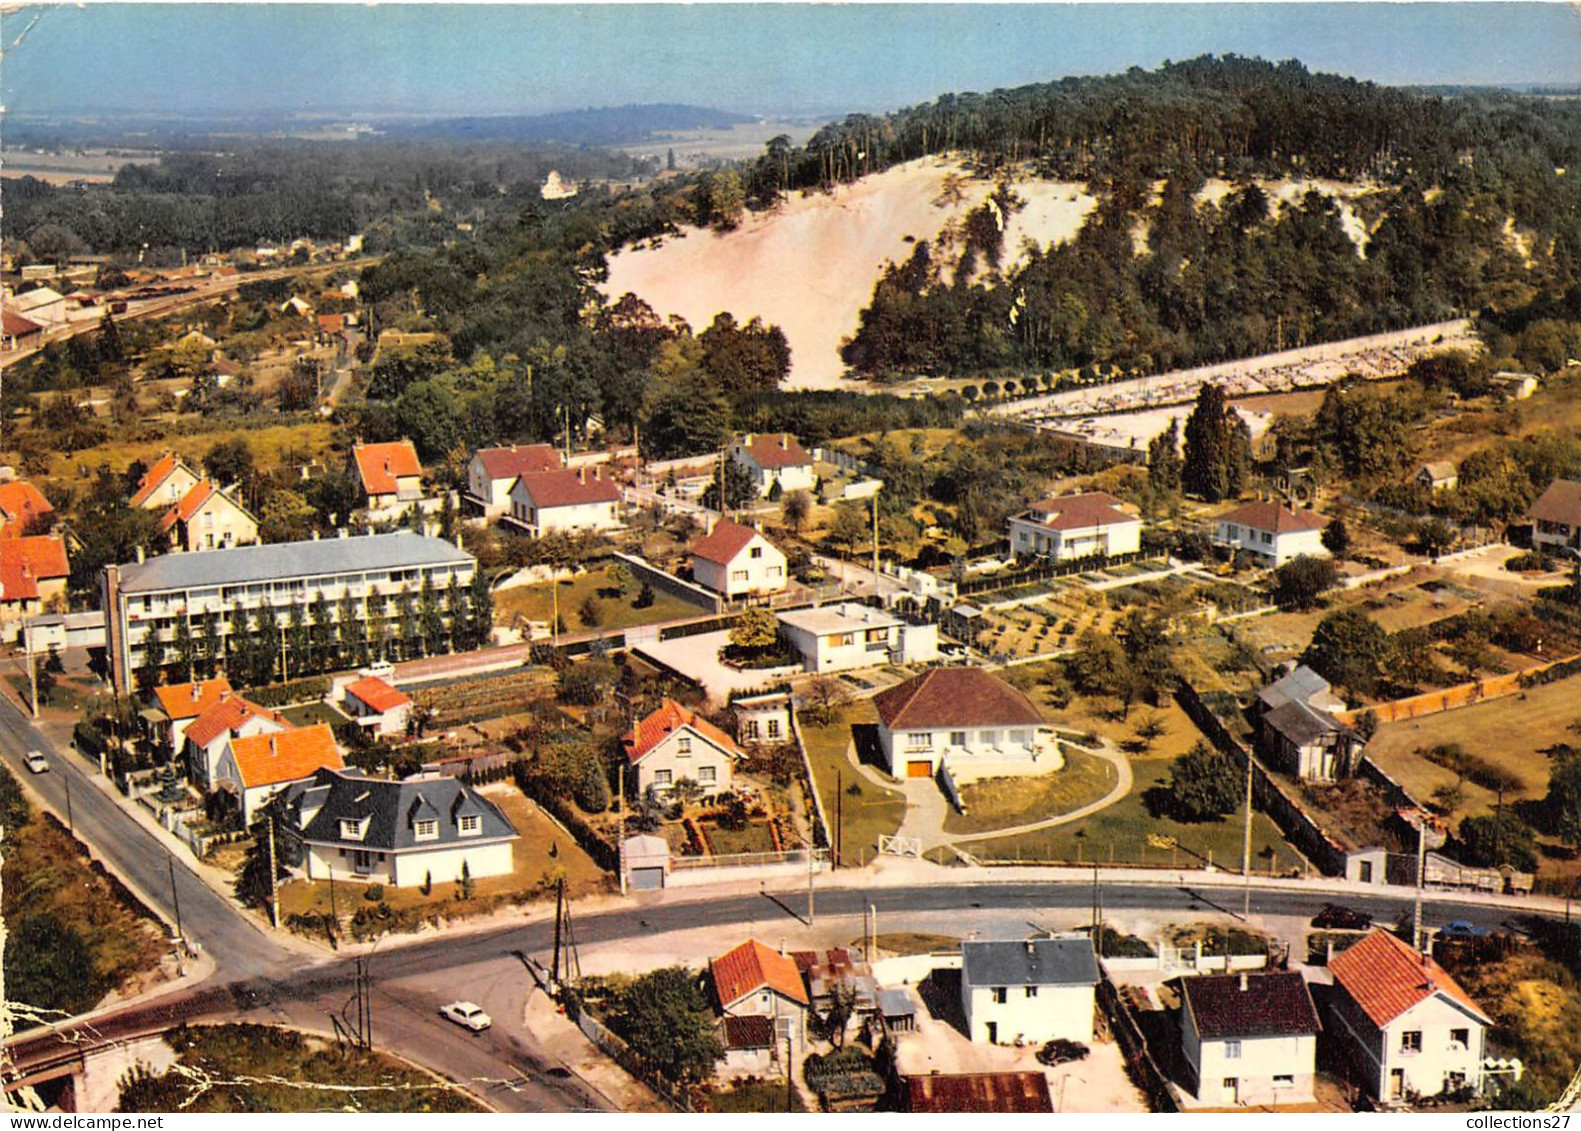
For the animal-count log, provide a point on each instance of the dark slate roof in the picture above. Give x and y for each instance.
(1270, 1005)
(1300, 723)
(392, 807)
(326, 556)
(1301, 684)
(1035, 962)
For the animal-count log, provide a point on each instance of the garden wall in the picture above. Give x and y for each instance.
(1450, 698)
(681, 590)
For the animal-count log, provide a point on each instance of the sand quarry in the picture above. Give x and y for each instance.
(809, 267)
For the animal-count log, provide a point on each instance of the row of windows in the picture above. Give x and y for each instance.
(750, 729)
(706, 775)
(1002, 993)
(923, 739)
(295, 588)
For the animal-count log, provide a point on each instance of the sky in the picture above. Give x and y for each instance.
(141, 59)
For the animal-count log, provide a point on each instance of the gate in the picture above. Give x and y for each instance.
(899, 845)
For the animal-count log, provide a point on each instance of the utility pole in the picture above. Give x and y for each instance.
(274, 884)
(875, 543)
(175, 899)
(621, 853)
(559, 916)
(1246, 846)
(71, 825)
(810, 862)
(32, 668)
(839, 818)
(790, 1086)
(1097, 911)
(1421, 876)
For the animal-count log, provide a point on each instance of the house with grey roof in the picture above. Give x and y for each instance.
(1031, 990)
(1300, 731)
(371, 830)
(366, 575)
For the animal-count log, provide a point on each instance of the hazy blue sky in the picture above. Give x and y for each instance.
(756, 58)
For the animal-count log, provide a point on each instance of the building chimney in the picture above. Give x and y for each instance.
(315, 536)
(785, 441)
(1244, 983)
(140, 555)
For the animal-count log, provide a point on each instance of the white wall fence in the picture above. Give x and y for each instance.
(696, 871)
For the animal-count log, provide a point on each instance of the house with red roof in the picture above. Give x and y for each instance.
(165, 484)
(1249, 1038)
(1556, 517)
(1405, 1026)
(1272, 532)
(17, 332)
(738, 561)
(567, 501)
(675, 743)
(377, 707)
(956, 1094)
(173, 706)
(1076, 526)
(392, 480)
(256, 767)
(204, 738)
(492, 472)
(33, 572)
(965, 720)
(23, 509)
(208, 518)
(776, 458)
(754, 980)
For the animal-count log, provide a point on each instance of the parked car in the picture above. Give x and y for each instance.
(1333, 917)
(1462, 929)
(36, 762)
(467, 1014)
(1062, 1051)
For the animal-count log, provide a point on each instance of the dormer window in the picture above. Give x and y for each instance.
(352, 829)
(426, 829)
(470, 824)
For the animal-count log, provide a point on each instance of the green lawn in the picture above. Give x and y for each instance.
(754, 837)
(536, 602)
(866, 814)
(998, 803)
(307, 714)
(1120, 832)
(757, 1096)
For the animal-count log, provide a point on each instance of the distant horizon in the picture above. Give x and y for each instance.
(152, 61)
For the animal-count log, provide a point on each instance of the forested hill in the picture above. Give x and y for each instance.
(613, 125)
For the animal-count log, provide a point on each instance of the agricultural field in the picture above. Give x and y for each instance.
(459, 702)
(616, 608)
(271, 446)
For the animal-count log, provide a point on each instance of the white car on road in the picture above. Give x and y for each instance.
(36, 762)
(469, 1015)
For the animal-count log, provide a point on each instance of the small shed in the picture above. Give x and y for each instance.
(899, 1008)
(646, 860)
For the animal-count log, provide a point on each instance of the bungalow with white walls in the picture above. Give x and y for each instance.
(568, 501)
(966, 719)
(1076, 526)
(738, 561)
(837, 638)
(674, 743)
(775, 458)
(1273, 532)
(1029, 991)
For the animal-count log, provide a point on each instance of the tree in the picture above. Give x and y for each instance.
(794, 509)
(252, 883)
(230, 461)
(754, 630)
(1336, 538)
(1436, 536)
(1498, 839)
(49, 966)
(1099, 666)
(1218, 448)
(620, 578)
(286, 517)
(822, 696)
(739, 490)
(1205, 783)
(1349, 648)
(588, 612)
(665, 1017)
(1562, 805)
(1300, 582)
(849, 527)
(1164, 463)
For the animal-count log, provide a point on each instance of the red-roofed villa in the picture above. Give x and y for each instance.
(966, 722)
(674, 743)
(1076, 526)
(737, 561)
(774, 458)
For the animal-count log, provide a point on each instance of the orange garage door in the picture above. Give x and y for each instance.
(919, 769)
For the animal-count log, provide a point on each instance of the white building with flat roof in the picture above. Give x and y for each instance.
(837, 638)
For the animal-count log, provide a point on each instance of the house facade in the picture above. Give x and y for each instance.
(754, 980)
(1272, 532)
(207, 518)
(1076, 526)
(1249, 1038)
(1556, 517)
(568, 501)
(1439, 475)
(492, 472)
(174, 706)
(206, 737)
(23, 509)
(674, 743)
(763, 720)
(738, 561)
(371, 830)
(392, 481)
(378, 708)
(966, 719)
(842, 637)
(775, 458)
(33, 574)
(1029, 991)
(1406, 1027)
(164, 484)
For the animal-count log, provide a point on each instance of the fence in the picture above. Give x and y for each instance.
(615, 1047)
(969, 586)
(1139, 1063)
(812, 782)
(1451, 698)
(681, 590)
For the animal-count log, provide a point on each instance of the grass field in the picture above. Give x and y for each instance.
(536, 602)
(756, 1096)
(998, 803)
(866, 814)
(307, 440)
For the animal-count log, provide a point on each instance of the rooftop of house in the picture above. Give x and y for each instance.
(381, 465)
(225, 716)
(189, 700)
(670, 717)
(1560, 503)
(778, 449)
(514, 461)
(1250, 1005)
(152, 479)
(1439, 469)
(15, 325)
(1078, 512)
(26, 561)
(313, 558)
(847, 616)
(566, 488)
(724, 542)
(1276, 518)
(1065, 961)
(1301, 684)
(387, 812)
(945, 697)
(998, 1092)
(22, 503)
(376, 694)
(192, 502)
(1386, 976)
(286, 755)
(751, 967)
(1301, 724)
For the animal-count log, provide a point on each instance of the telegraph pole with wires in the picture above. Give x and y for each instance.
(1246, 846)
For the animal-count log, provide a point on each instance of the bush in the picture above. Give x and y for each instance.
(1531, 560)
(309, 690)
(373, 893)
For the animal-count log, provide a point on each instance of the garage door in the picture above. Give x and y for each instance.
(919, 769)
(647, 879)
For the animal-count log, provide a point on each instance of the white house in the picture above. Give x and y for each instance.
(492, 472)
(164, 484)
(207, 518)
(569, 501)
(754, 980)
(258, 766)
(43, 305)
(378, 708)
(673, 743)
(1437, 475)
(771, 459)
(370, 830)
(1272, 531)
(1406, 1026)
(836, 638)
(763, 720)
(1076, 526)
(207, 736)
(964, 718)
(1029, 991)
(1249, 1038)
(1556, 516)
(737, 561)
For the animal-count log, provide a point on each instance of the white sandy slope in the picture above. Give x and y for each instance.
(810, 266)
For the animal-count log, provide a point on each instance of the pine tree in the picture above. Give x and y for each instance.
(1218, 455)
(1163, 458)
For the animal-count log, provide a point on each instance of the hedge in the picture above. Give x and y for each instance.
(308, 690)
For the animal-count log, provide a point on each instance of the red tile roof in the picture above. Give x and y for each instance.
(778, 450)
(380, 465)
(1560, 503)
(225, 717)
(163, 467)
(288, 755)
(189, 700)
(513, 462)
(331, 323)
(24, 562)
(669, 718)
(1000, 1092)
(14, 325)
(1386, 977)
(750, 967)
(378, 695)
(1079, 512)
(945, 697)
(1276, 518)
(22, 504)
(189, 504)
(567, 488)
(723, 542)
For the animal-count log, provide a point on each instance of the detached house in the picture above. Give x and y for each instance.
(837, 638)
(545, 501)
(376, 706)
(1407, 1027)
(366, 829)
(207, 518)
(1076, 526)
(258, 766)
(1273, 532)
(1298, 729)
(1556, 517)
(164, 484)
(966, 720)
(492, 472)
(674, 743)
(1439, 475)
(1249, 1038)
(777, 458)
(176, 705)
(1029, 991)
(392, 480)
(737, 561)
(33, 573)
(23, 509)
(756, 981)
(205, 738)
